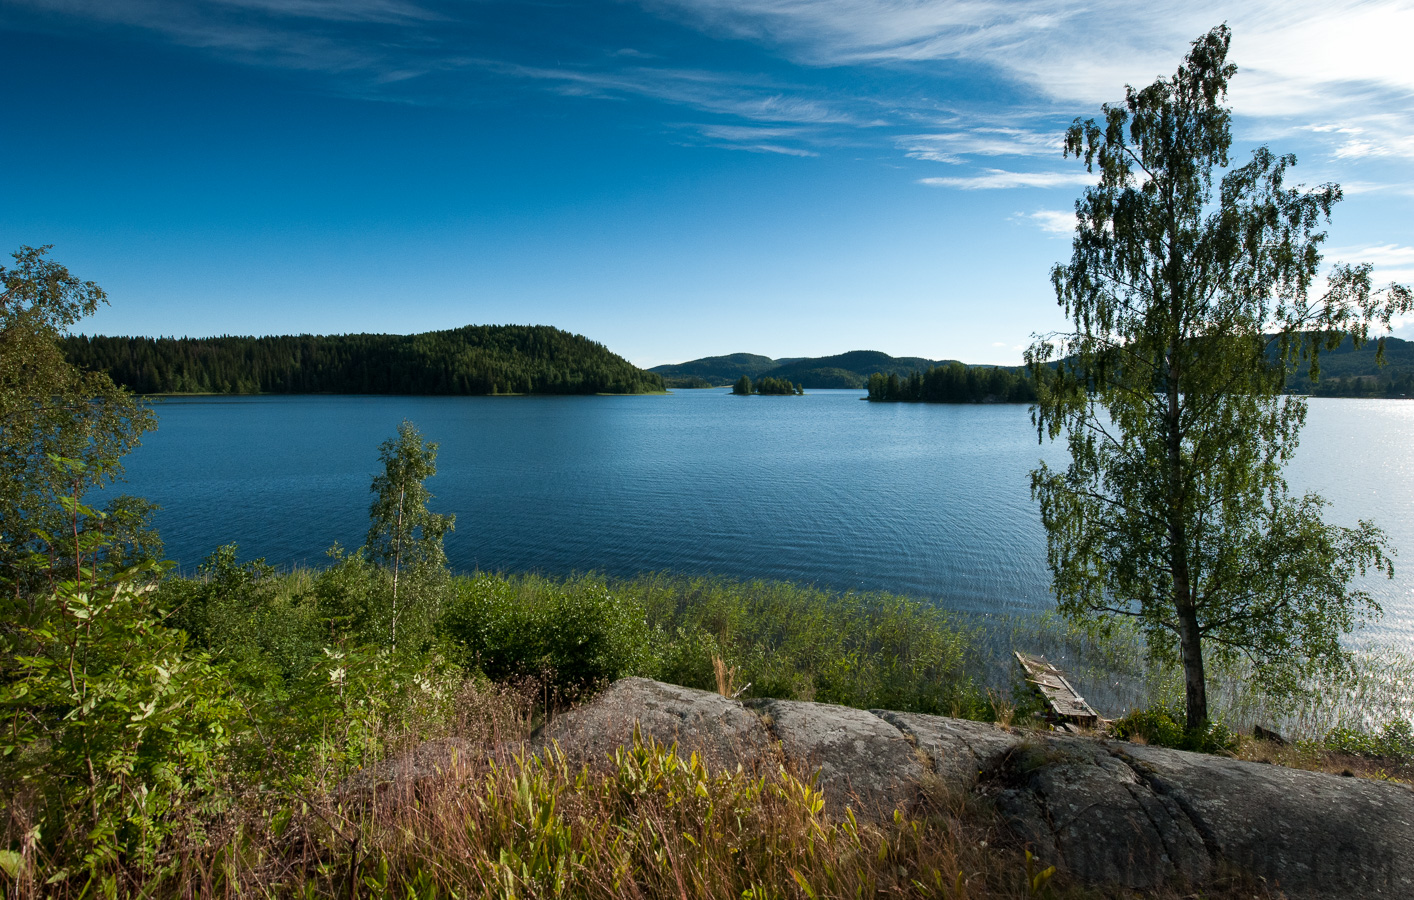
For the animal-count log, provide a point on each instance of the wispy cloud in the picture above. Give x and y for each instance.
(1337, 64)
(1051, 221)
(1392, 262)
(758, 139)
(983, 140)
(378, 11)
(1085, 49)
(1000, 179)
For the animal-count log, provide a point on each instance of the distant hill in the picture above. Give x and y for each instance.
(844, 370)
(1345, 372)
(713, 371)
(476, 359)
(1348, 372)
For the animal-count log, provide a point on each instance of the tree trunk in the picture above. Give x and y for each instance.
(1190, 639)
(1194, 678)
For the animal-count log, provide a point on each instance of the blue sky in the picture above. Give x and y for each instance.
(673, 178)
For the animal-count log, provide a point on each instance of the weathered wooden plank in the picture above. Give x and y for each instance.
(1063, 700)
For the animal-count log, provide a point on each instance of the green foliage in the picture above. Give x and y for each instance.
(575, 635)
(476, 359)
(1357, 371)
(405, 538)
(768, 385)
(1173, 508)
(718, 371)
(687, 382)
(795, 642)
(784, 640)
(111, 731)
(265, 635)
(49, 409)
(1394, 741)
(1165, 728)
(954, 383)
(845, 370)
(109, 722)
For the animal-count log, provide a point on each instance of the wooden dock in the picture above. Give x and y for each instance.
(1062, 699)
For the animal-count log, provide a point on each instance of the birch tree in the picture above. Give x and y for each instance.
(404, 537)
(1194, 288)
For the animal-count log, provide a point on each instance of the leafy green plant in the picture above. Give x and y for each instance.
(1165, 728)
(574, 635)
(405, 537)
(1394, 741)
(110, 724)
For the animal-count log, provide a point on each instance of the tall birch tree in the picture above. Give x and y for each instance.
(1194, 288)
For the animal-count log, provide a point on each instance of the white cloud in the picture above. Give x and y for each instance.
(757, 139)
(1340, 65)
(1051, 221)
(996, 179)
(756, 100)
(1391, 262)
(1379, 254)
(1314, 58)
(954, 146)
(1084, 49)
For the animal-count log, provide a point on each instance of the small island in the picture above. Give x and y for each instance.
(766, 385)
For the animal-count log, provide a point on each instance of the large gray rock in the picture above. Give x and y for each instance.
(1089, 812)
(1311, 834)
(959, 751)
(719, 730)
(1107, 812)
(862, 761)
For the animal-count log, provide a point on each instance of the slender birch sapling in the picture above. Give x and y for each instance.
(404, 537)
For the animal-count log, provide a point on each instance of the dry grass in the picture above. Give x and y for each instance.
(495, 821)
(1307, 756)
(652, 825)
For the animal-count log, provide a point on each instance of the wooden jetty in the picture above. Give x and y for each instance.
(1062, 700)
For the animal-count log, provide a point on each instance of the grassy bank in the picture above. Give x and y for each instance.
(279, 693)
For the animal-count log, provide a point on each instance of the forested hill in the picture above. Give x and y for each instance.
(1348, 372)
(477, 359)
(844, 370)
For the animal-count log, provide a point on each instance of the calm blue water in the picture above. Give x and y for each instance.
(928, 500)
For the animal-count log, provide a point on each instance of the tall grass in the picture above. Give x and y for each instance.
(782, 640)
(311, 793)
(1117, 676)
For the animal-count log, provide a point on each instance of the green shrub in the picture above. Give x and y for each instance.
(1165, 728)
(686, 658)
(576, 635)
(114, 731)
(797, 642)
(1394, 741)
(262, 626)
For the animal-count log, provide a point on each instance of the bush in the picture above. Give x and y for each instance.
(576, 635)
(1165, 728)
(254, 621)
(800, 643)
(1394, 741)
(114, 732)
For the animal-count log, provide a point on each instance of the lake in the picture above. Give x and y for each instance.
(920, 499)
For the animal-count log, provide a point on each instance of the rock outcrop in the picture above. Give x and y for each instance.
(1105, 811)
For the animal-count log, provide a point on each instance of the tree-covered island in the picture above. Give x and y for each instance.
(766, 386)
(475, 359)
(954, 383)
